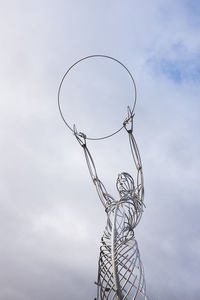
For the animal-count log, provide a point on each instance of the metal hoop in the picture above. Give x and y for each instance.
(84, 58)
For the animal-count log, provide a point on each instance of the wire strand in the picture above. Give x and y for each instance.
(61, 83)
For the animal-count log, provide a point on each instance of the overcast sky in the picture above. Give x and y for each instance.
(51, 219)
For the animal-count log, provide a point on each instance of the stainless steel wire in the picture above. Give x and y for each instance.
(120, 270)
(67, 72)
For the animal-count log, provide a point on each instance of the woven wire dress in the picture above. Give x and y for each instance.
(120, 270)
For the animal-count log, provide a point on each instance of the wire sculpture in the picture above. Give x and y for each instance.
(120, 270)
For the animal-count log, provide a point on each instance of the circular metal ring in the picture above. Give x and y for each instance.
(84, 58)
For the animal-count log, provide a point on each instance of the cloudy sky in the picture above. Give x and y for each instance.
(51, 220)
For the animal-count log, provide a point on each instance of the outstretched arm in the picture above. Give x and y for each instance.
(101, 190)
(128, 125)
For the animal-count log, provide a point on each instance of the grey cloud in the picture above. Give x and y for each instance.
(49, 228)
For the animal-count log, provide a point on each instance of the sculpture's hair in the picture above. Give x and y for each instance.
(125, 184)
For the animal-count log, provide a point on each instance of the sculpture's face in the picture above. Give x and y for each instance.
(125, 184)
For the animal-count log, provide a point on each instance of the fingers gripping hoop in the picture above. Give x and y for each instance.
(131, 109)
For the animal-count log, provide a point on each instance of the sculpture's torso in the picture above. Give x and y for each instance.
(120, 269)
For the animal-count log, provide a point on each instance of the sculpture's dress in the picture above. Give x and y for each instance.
(121, 274)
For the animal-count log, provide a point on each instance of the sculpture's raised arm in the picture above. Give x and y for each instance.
(128, 125)
(101, 190)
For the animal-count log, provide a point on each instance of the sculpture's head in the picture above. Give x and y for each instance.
(125, 184)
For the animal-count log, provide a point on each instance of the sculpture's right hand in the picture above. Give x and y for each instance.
(80, 136)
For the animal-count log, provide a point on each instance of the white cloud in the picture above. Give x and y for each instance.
(50, 229)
